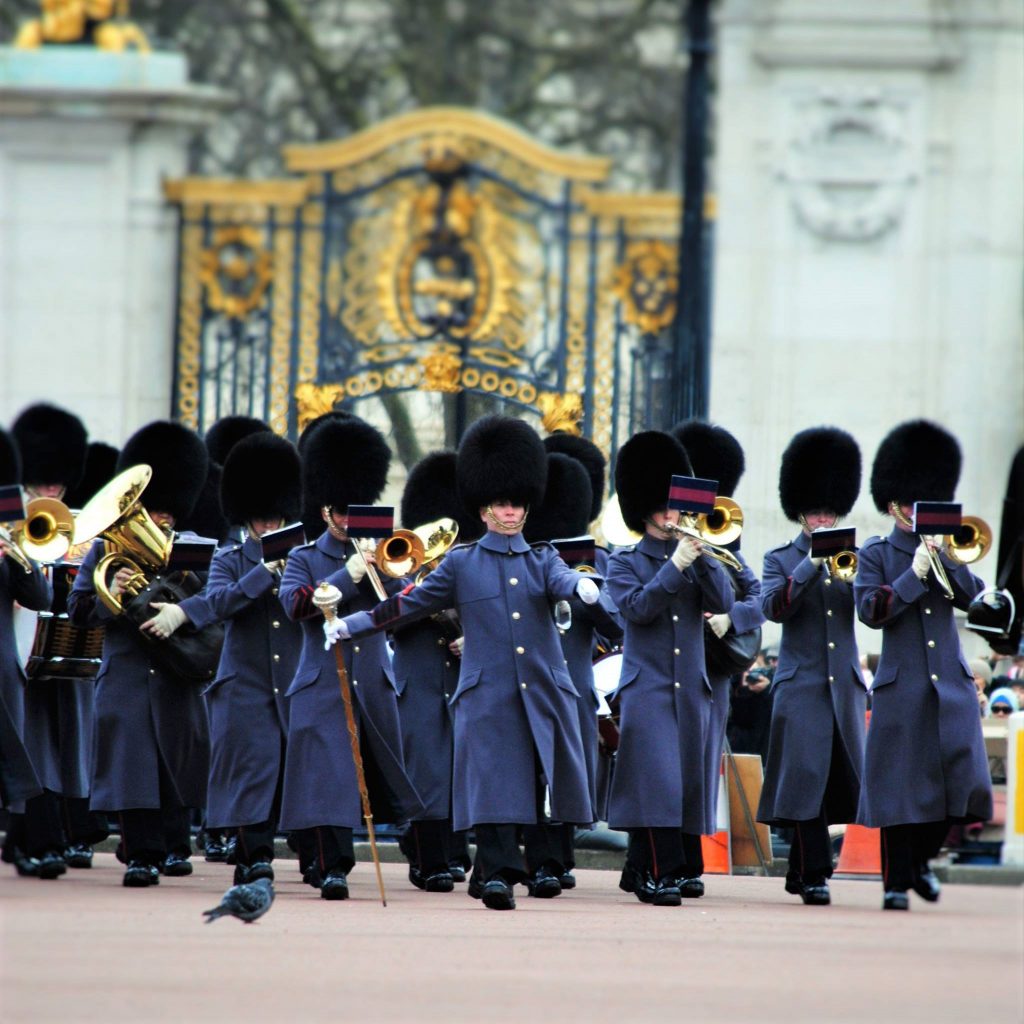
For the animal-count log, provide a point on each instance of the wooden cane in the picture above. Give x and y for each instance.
(326, 598)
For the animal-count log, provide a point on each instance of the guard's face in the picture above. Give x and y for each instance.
(162, 519)
(908, 512)
(660, 518)
(46, 490)
(337, 522)
(258, 527)
(819, 519)
(508, 515)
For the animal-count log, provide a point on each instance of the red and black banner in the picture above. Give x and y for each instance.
(278, 544)
(942, 517)
(576, 550)
(692, 495)
(826, 543)
(371, 521)
(12, 504)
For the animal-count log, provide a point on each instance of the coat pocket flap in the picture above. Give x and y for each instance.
(307, 677)
(885, 675)
(219, 682)
(467, 680)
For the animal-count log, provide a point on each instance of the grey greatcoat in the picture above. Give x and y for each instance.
(18, 779)
(665, 698)
(590, 622)
(516, 704)
(817, 688)
(426, 676)
(746, 614)
(246, 703)
(143, 715)
(925, 759)
(319, 778)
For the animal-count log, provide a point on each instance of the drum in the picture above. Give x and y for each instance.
(607, 671)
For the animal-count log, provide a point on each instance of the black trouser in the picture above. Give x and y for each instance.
(657, 851)
(693, 856)
(38, 831)
(426, 844)
(80, 824)
(543, 842)
(149, 834)
(906, 850)
(256, 842)
(327, 848)
(810, 851)
(458, 850)
(498, 853)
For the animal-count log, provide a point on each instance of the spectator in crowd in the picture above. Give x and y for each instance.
(982, 672)
(1003, 702)
(750, 716)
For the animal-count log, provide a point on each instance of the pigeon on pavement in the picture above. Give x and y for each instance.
(246, 902)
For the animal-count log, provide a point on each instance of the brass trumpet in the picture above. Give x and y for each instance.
(842, 566)
(400, 555)
(44, 535)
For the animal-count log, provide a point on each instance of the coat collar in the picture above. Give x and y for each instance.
(802, 543)
(331, 545)
(503, 543)
(252, 549)
(654, 547)
(903, 540)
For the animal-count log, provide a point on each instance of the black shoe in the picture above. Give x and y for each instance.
(139, 875)
(249, 873)
(231, 850)
(311, 876)
(334, 886)
(497, 895)
(637, 882)
(816, 895)
(51, 865)
(895, 901)
(216, 850)
(794, 885)
(926, 885)
(666, 893)
(176, 866)
(26, 866)
(691, 888)
(78, 855)
(476, 887)
(416, 877)
(440, 881)
(458, 872)
(567, 881)
(543, 885)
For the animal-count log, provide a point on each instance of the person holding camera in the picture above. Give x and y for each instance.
(816, 745)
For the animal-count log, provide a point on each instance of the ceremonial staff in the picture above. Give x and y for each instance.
(326, 598)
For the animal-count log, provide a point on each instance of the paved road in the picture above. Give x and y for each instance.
(83, 948)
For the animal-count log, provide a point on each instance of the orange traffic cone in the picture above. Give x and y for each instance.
(715, 848)
(862, 847)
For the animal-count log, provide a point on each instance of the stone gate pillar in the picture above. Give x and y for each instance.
(870, 239)
(87, 241)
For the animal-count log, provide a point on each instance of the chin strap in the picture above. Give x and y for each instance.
(500, 526)
(897, 513)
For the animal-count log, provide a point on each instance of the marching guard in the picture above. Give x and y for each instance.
(662, 586)
(516, 725)
(715, 454)
(260, 489)
(152, 749)
(345, 462)
(925, 765)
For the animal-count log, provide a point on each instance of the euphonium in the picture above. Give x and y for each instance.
(971, 542)
(842, 566)
(137, 543)
(44, 535)
(437, 539)
(613, 526)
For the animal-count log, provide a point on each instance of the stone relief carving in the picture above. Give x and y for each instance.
(851, 162)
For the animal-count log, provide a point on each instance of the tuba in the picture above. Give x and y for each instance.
(134, 540)
(437, 538)
(399, 555)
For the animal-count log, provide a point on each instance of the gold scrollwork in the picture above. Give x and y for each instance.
(189, 325)
(281, 327)
(560, 412)
(312, 400)
(441, 372)
(495, 357)
(236, 270)
(72, 21)
(646, 283)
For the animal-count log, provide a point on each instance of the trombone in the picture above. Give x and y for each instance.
(696, 526)
(971, 542)
(44, 535)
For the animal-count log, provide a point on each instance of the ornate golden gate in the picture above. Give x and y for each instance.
(442, 250)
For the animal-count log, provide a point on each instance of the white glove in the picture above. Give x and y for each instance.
(686, 553)
(456, 646)
(816, 562)
(335, 630)
(169, 618)
(922, 563)
(356, 567)
(720, 624)
(587, 591)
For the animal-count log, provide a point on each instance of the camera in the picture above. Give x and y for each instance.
(755, 675)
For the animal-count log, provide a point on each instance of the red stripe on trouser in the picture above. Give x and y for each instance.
(885, 860)
(320, 847)
(654, 856)
(800, 844)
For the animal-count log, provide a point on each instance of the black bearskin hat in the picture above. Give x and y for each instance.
(565, 510)
(100, 468)
(501, 458)
(10, 462)
(644, 469)
(228, 431)
(179, 461)
(207, 518)
(262, 479)
(334, 416)
(431, 493)
(916, 461)
(820, 471)
(590, 456)
(344, 462)
(52, 444)
(714, 453)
